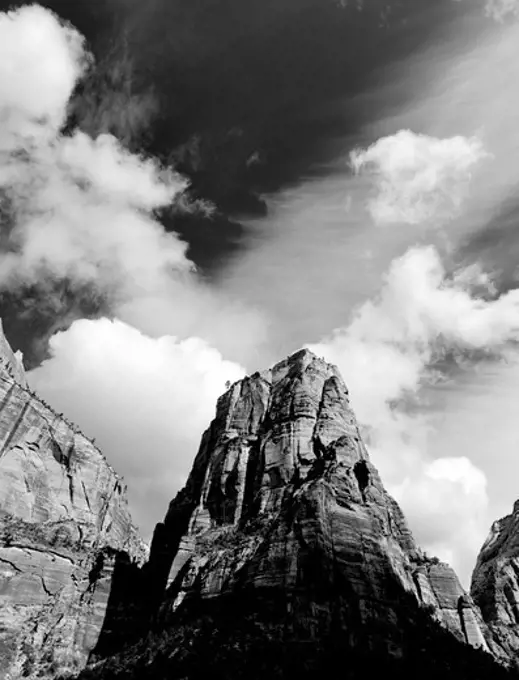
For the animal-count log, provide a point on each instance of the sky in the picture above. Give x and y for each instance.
(390, 252)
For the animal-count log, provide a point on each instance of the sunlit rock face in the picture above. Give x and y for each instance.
(495, 582)
(284, 552)
(64, 524)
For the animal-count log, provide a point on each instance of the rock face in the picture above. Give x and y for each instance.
(64, 524)
(11, 363)
(495, 582)
(284, 554)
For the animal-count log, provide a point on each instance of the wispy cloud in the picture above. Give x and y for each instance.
(393, 344)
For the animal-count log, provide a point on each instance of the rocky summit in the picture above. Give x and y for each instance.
(283, 556)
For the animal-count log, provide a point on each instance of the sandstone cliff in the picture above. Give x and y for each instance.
(285, 555)
(495, 582)
(64, 523)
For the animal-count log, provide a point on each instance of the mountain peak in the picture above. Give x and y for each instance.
(276, 424)
(296, 364)
(301, 358)
(284, 538)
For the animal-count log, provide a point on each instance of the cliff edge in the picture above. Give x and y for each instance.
(64, 523)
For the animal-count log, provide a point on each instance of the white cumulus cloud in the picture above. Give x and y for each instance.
(448, 502)
(84, 210)
(145, 400)
(417, 177)
(41, 60)
(79, 208)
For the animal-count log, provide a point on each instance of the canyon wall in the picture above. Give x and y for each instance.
(64, 524)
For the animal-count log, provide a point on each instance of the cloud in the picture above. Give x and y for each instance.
(499, 10)
(448, 501)
(391, 340)
(417, 177)
(145, 400)
(386, 354)
(75, 208)
(83, 211)
(41, 60)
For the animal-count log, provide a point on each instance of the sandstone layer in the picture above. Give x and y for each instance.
(285, 555)
(64, 524)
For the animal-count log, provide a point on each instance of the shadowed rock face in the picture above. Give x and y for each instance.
(495, 582)
(64, 524)
(284, 553)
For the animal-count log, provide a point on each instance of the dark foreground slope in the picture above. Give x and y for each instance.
(284, 555)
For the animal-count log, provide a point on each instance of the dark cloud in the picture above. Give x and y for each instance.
(241, 96)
